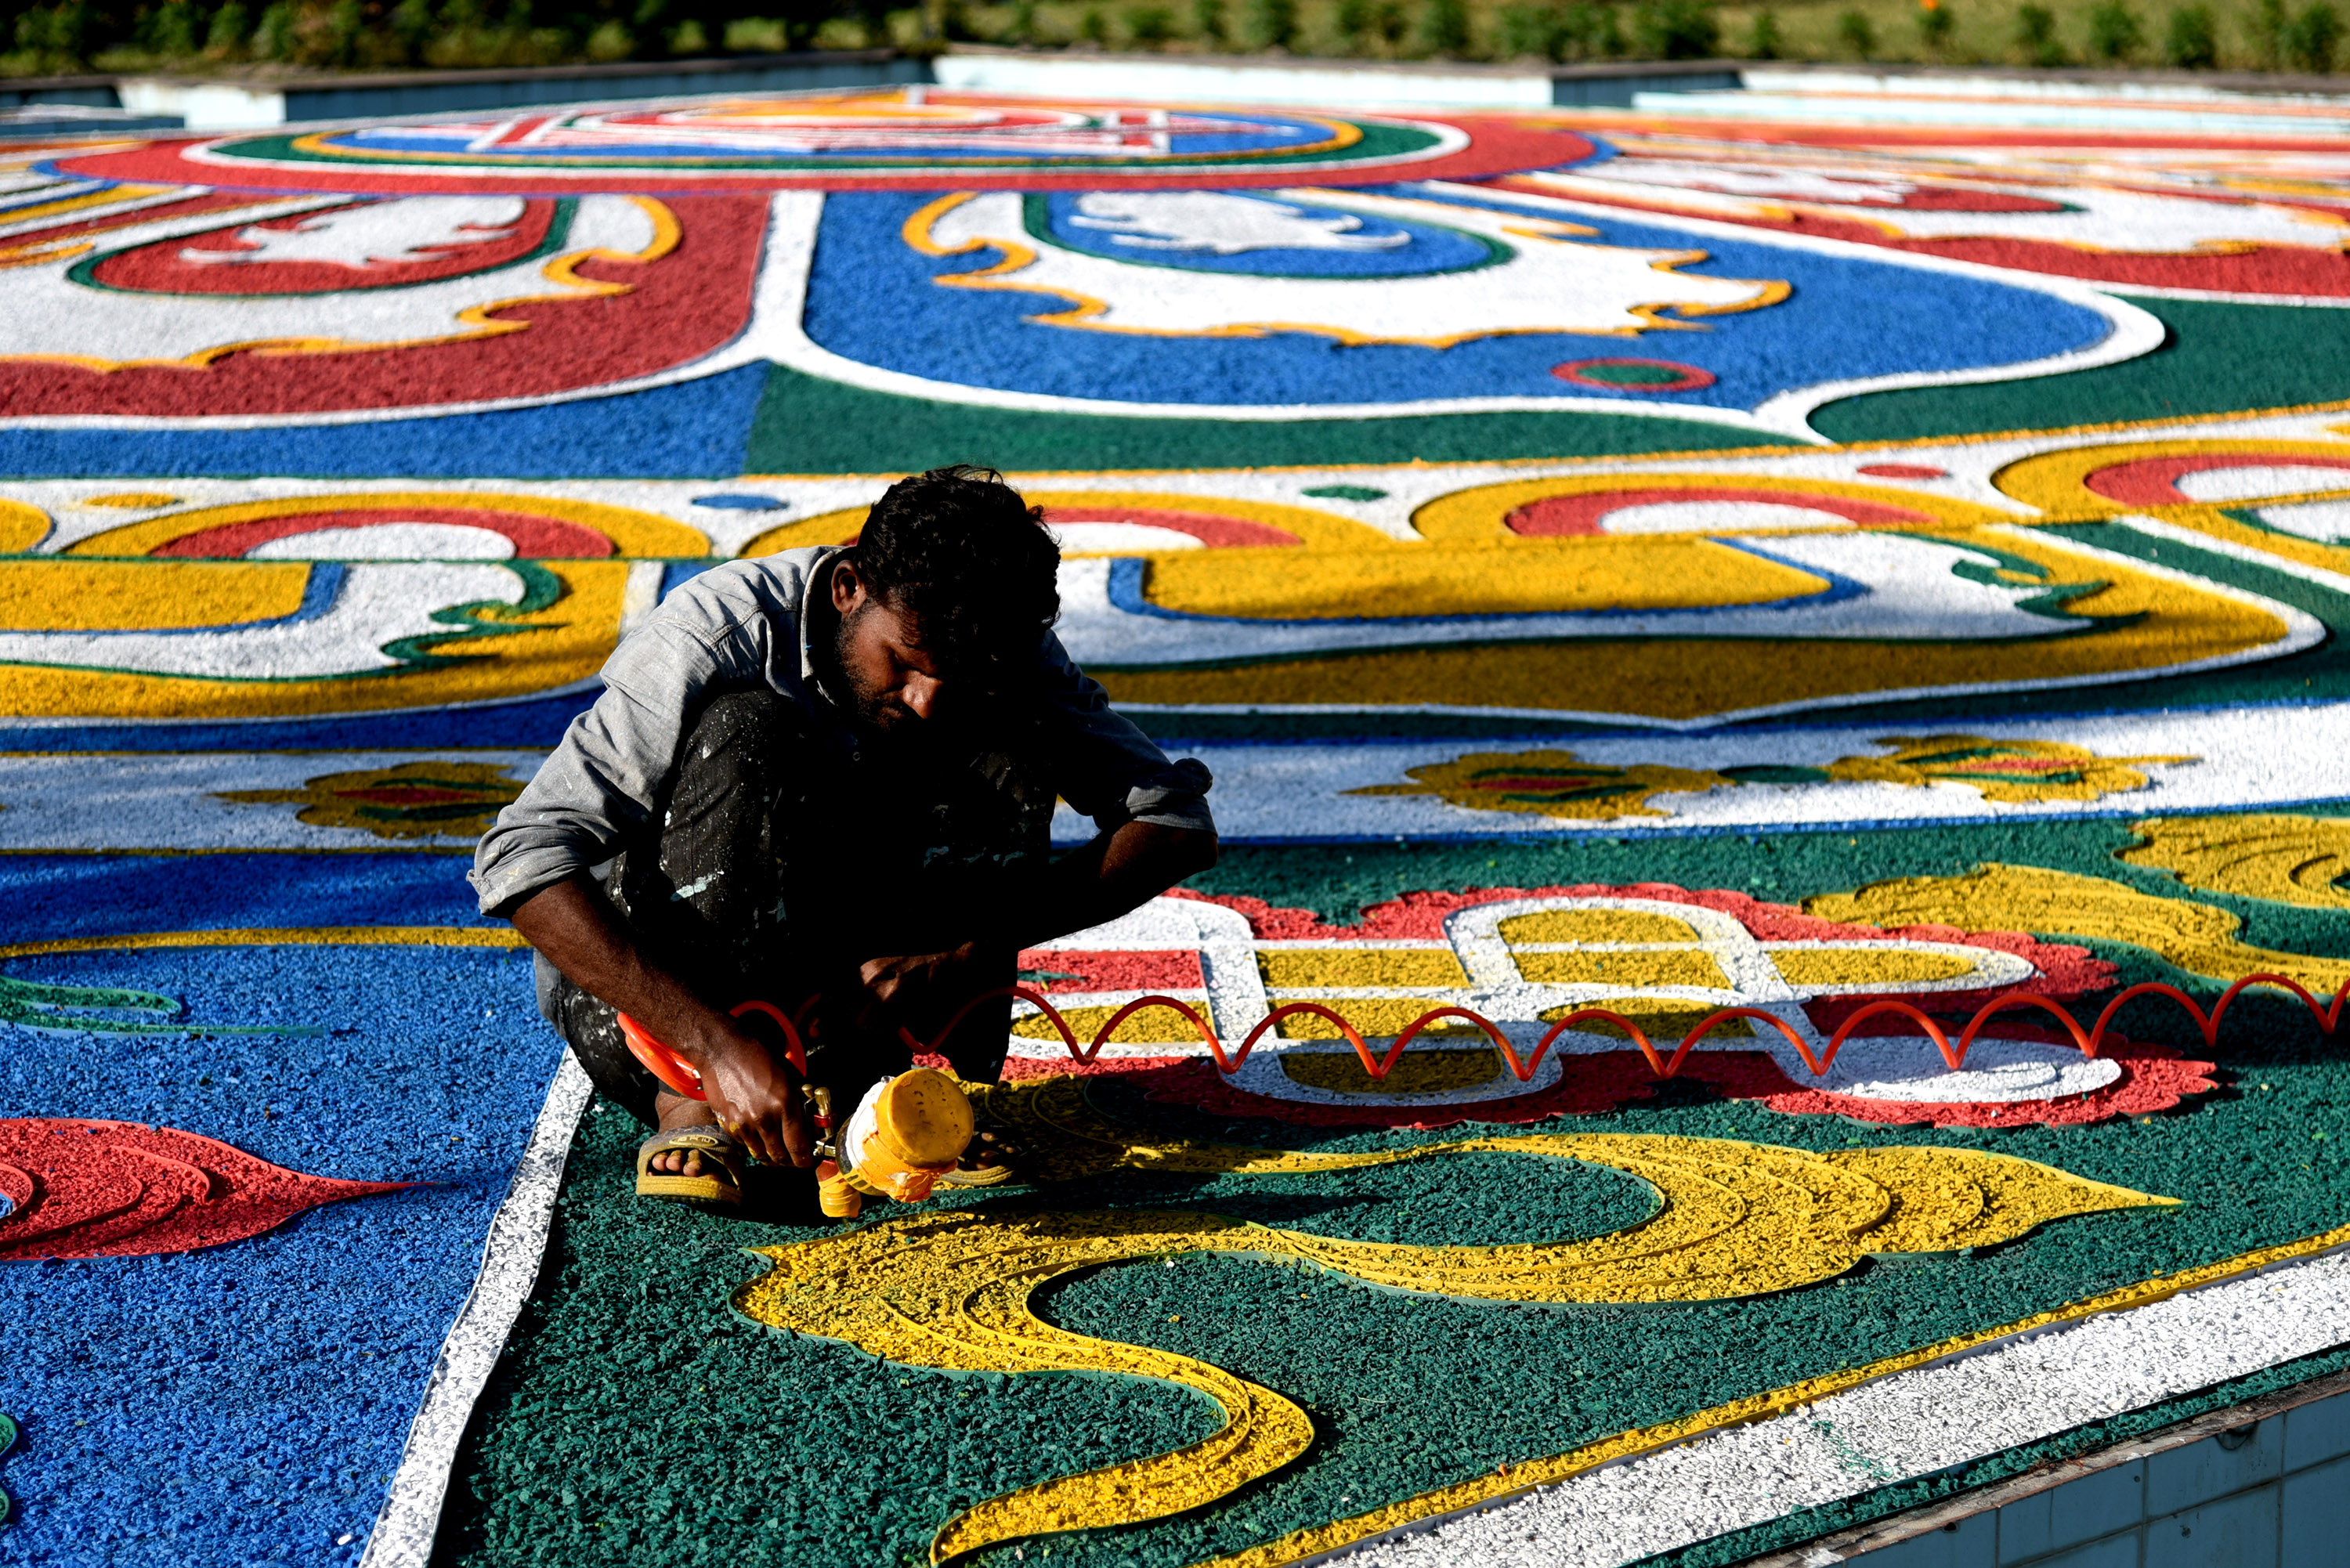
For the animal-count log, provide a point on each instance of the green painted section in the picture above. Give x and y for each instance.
(634, 1414)
(810, 425)
(2217, 359)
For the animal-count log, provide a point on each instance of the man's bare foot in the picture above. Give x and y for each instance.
(676, 1111)
(992, 1148)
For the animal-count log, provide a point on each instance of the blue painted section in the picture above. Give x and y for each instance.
(695, 430)
(1846, 316)
(535, 722)
(677, 574)
(742, 503)
(154, 1430)
(1387, 249)
(53, 896)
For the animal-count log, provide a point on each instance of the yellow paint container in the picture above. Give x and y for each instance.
(906, 1133)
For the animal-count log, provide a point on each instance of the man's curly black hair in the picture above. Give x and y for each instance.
(960, 552)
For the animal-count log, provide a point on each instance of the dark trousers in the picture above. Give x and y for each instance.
(787, 857)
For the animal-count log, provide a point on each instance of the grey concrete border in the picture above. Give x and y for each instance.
(1928, 1517)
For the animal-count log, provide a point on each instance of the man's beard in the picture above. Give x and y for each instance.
(870, 707)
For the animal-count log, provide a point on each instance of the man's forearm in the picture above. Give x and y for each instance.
(575, 927)
(748, 1093)
(1120, 870)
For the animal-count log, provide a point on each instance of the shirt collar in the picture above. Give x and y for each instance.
(815, 609)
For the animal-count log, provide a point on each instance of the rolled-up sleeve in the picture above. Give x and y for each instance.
(1106, 768)
(598, 788)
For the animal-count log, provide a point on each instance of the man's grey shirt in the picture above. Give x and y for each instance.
(744, 625)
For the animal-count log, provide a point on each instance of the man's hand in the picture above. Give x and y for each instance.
(1121, 870)
(754, 1096)
(899, 987)
(1118, 871)
(749, 1094)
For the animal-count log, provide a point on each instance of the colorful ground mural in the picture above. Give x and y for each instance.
(1784, 558)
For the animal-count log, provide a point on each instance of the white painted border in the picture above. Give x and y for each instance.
(1963, 1407)
(2130, 332)
(776, 332)
(403, 1533)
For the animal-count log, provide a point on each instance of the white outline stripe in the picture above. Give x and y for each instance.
(1963, 1407)
(404, 1531)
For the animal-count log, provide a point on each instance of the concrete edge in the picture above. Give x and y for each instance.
(1928, 1517)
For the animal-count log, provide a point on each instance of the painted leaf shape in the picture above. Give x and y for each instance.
(83, 1188)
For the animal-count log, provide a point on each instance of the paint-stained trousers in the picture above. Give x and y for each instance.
(787, 857)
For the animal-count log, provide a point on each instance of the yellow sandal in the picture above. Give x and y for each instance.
(722, 1185)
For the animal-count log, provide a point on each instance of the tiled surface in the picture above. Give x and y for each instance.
(2317, 1433)
(2113, 1552)
(2278, 1497)
(2316, 1523)
(2183, 1478)
(2241, 1529)
(2093, 1506)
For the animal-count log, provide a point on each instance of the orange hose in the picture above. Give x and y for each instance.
(679, 1075)
(1524, 1068)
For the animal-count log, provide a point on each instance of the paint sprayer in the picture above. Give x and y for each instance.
(897, 1141)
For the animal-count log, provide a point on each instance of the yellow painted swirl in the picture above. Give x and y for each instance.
(950, 1290)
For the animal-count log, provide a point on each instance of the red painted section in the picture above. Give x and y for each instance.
(674, 310)
(2154, 481)
(93, 1188)
(105, 223)
(2253, 269)
(1586, 514)
(2267, 269)
(2064, 971)
(1902, 470)
(1591, 1085)
(1963, 199)
(166, 266)
(534, 538)
(2154, 1078)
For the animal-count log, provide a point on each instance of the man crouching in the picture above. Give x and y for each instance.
(830, 773)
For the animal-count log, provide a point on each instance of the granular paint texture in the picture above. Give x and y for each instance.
(1786, 558)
